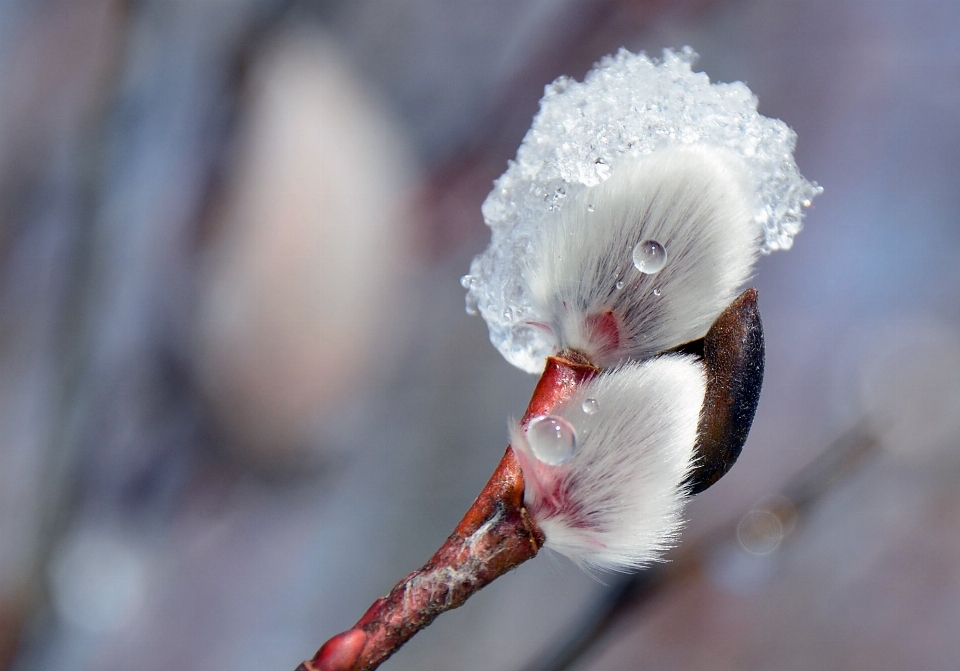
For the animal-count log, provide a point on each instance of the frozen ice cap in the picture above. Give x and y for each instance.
(627, 107)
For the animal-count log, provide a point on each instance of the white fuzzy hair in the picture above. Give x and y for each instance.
(616, 503)
(692, 201)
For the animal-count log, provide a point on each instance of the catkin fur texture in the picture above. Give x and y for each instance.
(689, 199)
(616, 503)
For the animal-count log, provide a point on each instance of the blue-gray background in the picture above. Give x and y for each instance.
(240, 397)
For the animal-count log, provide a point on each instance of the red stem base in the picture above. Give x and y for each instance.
(495, 536)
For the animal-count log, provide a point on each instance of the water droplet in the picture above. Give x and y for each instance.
(590, 207)
(603, 170)
(466, 281)
(553, 439)
(620, 284)
(559, 85)
(590, 406)
(471, 304)
(656, 292)
(649, 257)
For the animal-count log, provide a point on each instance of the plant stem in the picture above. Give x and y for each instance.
(496, 535)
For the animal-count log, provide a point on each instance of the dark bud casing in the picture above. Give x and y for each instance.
(733, 355)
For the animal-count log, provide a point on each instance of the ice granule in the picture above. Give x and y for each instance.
(628, 105)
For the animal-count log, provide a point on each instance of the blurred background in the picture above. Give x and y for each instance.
(240, 397)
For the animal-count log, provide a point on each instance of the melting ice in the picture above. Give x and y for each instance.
(629, 105)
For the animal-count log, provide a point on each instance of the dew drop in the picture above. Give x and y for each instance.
(590, 207)
(471, 304)
(467, 281)
(590, 406)
(656, 292)
(649, 257)
(620, 285)
(552, 439)
(603, 170)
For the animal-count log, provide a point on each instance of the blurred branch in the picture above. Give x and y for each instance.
(89, 120)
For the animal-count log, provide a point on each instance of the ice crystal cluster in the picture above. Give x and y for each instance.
(627, 108)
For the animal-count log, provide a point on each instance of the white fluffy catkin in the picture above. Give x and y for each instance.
(616, 503)
(689, 199)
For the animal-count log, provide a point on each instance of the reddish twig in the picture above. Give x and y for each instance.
(495, 536)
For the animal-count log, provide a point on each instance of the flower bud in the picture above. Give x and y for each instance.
(648, 259)
(615, 502)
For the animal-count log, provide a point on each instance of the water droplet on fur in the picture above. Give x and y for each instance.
(552, 439)
(590, 406)
(649, 257)
(656, 292)
(590, 207)
(620, 284)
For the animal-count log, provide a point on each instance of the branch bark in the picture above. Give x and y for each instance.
(495, 536)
